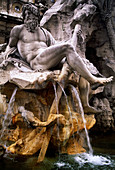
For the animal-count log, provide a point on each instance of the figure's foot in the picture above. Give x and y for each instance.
(103, 80)
(90, 110)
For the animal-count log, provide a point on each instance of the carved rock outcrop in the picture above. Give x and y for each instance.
(36, 123)
(38, 113)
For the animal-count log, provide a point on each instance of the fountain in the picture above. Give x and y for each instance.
(8, 116)
(43, 108)
(58, 121)
(38, 115)
(83, 117)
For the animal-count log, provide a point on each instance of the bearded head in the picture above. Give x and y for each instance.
(31, 16)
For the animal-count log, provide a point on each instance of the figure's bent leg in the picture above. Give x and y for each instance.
(84, 91)
(49, 57)
(75, 61)
(84, 88)
(52, 55)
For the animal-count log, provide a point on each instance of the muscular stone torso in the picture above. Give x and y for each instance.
(31, 44)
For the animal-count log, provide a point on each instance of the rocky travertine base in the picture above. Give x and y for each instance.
(104, 120)
(35, 103)
(35, 122)
(96, 39)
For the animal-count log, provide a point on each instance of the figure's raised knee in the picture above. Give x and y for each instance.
(69, 47)
(66, 48)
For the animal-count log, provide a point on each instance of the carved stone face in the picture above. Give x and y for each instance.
(29, 17)
(30, 21)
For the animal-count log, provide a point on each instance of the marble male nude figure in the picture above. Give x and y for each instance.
(38, 47)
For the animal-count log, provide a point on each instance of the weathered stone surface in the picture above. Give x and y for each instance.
(28, 80)
(95, 43)
(105, 120)
(56, 140)
(37, 114)
(36, 94)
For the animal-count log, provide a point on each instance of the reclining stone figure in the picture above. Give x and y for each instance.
(40, 50)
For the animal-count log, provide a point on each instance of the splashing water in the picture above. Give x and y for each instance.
(60, 164)
(8, 116)
(63, 164)
(83, 117)
(85, 158)
(86, 161)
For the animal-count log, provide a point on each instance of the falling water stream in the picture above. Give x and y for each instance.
(83, 117)
(82, 114)
(79, 161)
(8, 117)
(66, 100)
(56, 100)
(54, 85)
(84, 158)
